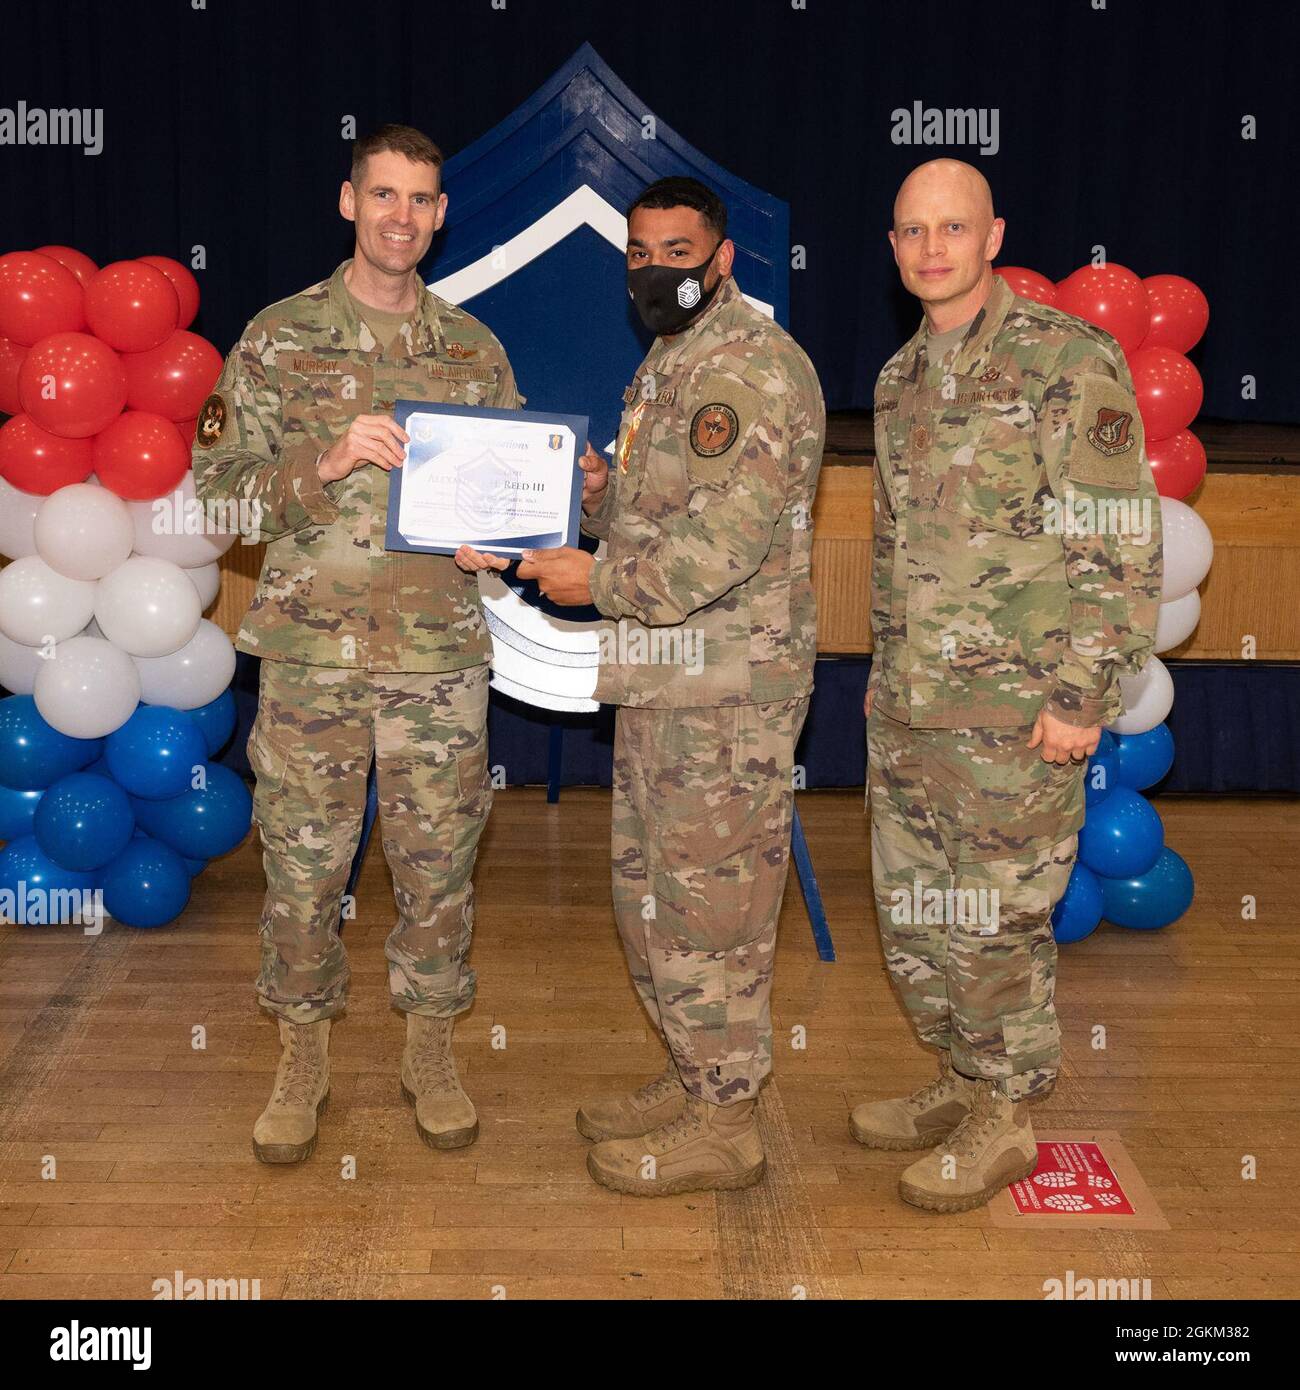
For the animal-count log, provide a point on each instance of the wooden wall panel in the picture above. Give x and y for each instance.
(1252, 590)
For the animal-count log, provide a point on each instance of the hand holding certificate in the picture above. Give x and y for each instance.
(502, 481)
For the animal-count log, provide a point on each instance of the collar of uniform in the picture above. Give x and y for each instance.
(976, 350)
(344, 320)
(668, 354)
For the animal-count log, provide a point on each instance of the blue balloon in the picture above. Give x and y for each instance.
(83, 821)
(146, 885)
(194, 867)
(17, 811)
(32, 753)
(99, 768)
(1151, 900)
(155, 752)
(1079, 911)
(1145, 758)
(35, 891)
(1102, 775)
(202, 823)
(216, 719)
(1122, 835)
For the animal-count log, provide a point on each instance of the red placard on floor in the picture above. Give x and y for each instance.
(1072, 1178)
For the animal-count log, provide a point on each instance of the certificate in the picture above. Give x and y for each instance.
(498, 480)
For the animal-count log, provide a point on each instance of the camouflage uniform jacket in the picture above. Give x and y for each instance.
(329, 593)
(708, 516)
(1010, 571)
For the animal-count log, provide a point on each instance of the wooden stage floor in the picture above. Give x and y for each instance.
(154, 1171)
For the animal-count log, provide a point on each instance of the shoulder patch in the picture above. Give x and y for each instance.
(713, 429)
(1107, 446)
(212, 421)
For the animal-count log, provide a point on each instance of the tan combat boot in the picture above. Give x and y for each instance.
(285, 1131)
(706, 1148)
(626, 1117)
(444, 1114)
(992, 1148)
(926, 1117)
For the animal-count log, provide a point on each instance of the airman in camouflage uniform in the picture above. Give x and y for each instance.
(1016, 574)
(365, 652)
(707, 519)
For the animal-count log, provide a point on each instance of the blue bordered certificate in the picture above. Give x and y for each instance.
(498, 480)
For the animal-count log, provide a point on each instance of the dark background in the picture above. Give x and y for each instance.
(1118, 126)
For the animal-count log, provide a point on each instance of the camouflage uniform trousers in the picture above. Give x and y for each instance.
(957, 817)
(311, 745)
(703, 804)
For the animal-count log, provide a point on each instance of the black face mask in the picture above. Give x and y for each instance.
(668, 297)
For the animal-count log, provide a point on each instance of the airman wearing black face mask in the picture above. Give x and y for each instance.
(707, 513)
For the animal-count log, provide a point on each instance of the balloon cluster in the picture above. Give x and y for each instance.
(120, 687)
(1125, 872)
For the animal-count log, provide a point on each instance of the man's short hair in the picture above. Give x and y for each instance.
(680, 192)
(400, 139)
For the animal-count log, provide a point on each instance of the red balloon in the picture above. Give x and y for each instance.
(37, 461)
(1179, 313)
(1177, 463)
(1169, 391)
(188, 429)
(38, 297)
(11, 358)
(71, 259)
(72, 384)
(1111, 297)
(140, 455)
(173, 379)
(132, 306)
(183, 282)
(1028, 284)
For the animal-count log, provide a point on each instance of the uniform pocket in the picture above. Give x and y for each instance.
(995, 478)
(1032, 1037)
(268, 760)
(722, 876)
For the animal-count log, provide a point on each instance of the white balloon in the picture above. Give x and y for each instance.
(193, 676)
(83, 531)
(38, 603)
(1148, 698)
(176, 527)
(1176, 620)
(17, 515)
(1188, 548)
(207, 580)
(88, 688)
(147, 606)
(19, 664)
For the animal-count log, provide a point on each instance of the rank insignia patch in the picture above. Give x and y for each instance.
(714, 429)
(1110, 435)
(212, 421)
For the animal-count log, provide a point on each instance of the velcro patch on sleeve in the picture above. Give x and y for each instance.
(212, 421)
(721, 413)
(1106, 450)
